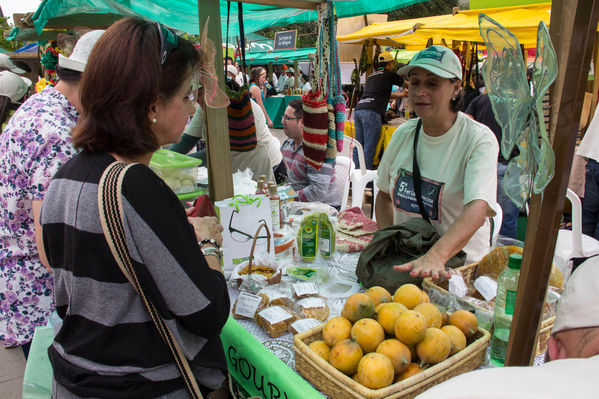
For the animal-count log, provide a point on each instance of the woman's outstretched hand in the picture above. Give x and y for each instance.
(207, 228)
(427, 265)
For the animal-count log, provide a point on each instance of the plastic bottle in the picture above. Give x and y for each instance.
(260, 189)
(275, 206)
(326, 236)
(505, 301)
(264, 189)
(406, 110)
(307, 238)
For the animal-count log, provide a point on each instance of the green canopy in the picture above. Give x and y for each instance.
(281, 56)
(183, 14)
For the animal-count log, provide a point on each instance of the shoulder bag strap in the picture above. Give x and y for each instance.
(416, 174)
(110, 204)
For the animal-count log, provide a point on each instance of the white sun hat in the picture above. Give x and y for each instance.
(7, 64)
(78, 59)
(13, 86)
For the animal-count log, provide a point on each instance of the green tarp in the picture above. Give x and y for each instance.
(183, 14)
(281, 56)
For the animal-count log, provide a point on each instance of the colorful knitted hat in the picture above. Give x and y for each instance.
(242, 129)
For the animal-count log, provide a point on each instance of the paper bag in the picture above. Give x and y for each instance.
(240, 217)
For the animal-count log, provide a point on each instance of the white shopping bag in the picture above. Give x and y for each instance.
(240, 217)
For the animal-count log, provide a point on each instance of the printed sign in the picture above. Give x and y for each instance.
(285, 40)
(404, 195)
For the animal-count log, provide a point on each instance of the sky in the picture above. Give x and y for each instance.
(9, 7)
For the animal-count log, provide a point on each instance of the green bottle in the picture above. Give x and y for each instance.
(307, 238)
(326, 236)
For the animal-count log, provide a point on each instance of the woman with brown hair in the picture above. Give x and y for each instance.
(257, 80)
(137, 92)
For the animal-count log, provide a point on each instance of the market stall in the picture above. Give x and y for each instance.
(387, 130)
(238, 358)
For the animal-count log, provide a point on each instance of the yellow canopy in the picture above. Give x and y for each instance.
(522, 21)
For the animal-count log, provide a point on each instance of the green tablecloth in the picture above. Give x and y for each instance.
(275, 107)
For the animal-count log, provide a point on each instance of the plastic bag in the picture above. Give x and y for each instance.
(243, 183)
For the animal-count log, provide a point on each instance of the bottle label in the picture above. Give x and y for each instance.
(510, 302)
(275, 214)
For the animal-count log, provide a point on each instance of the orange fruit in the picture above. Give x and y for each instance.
(336, 329)
(387, 314)
(431, 313)
(457, 338)
(465, 321)
(358, 306)
(435, 347)
(425, 298)
(379, 295)
(397, 352)
(368, 333)
(409, 295)
(410, 327)
(345, 356)
(321, 348)
(375, 371)
(412, 369)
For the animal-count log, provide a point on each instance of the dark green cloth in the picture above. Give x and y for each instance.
(396, 245)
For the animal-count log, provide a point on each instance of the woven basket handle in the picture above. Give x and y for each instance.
(268, 236)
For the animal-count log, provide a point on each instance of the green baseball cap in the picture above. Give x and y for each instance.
(439, 60)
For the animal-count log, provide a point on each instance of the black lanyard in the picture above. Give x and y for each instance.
(416, 174)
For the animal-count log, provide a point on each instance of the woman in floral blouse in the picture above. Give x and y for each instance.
(34, 144)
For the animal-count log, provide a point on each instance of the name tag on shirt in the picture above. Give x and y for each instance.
(404, 195)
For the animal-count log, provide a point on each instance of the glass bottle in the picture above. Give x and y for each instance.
(505, 301)
(275, 206)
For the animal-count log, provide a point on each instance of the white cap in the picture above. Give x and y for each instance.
(232, 69)
(78, 59)
(579, 305)
(7, 64)
(289, 70)
(439, 60)
(13, 86)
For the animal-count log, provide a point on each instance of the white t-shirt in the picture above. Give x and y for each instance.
(265, 137)
(589, 146)
(559, 379)
(456, 168)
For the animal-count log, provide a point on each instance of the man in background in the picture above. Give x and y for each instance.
(310, 184)
(369, 113)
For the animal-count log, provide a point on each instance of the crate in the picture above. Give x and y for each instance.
(469, 273)
(335, 384)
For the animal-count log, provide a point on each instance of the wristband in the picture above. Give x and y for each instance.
(209, 241)
(211, 252)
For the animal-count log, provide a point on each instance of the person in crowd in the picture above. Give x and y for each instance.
(232, 72)
(266, 159)
(107, 345)
(34, 144)
(481, 110)
(289, 79)
(6, 64)
(306, 87)
(280, 86)
(589, 149)
(370, 110)
(12, 90)
(257, 90)
(310, 184)
(572, 351)
(457, 161)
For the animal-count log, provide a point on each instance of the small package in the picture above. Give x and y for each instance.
(247, 304)
(275, 320)
(304, 290)
(179, 172)
(299, 326)
(280, 299)
(313, 307)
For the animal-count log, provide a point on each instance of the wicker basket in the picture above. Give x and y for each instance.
(469, 273)
(335, 384)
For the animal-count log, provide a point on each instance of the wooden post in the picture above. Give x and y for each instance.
(573, 26)
(220, 177)
(595, 79)
(296, 74)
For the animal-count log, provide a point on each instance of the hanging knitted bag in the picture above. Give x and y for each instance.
(316, 123)
(337, 99)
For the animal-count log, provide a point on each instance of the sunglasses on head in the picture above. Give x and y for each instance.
(168, 42)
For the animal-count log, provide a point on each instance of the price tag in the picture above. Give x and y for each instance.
(304, 325)
(457, 285)
(305, 289)
(487, 287)
(308, 303)
(247, 304)
(275, 314)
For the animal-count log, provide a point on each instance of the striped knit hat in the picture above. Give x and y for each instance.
(316, 124)
(242, 129)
